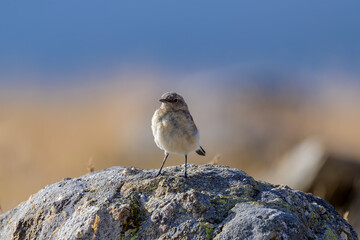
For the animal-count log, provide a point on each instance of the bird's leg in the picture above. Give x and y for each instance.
(185, 165)
(166, 155)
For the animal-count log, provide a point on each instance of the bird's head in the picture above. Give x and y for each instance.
(173, 101)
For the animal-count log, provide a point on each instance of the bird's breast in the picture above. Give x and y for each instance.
(174, 133)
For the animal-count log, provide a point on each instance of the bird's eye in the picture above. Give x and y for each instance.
(175, 100)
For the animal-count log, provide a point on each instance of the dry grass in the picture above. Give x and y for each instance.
(346, 216)
(216, 160)
(95, 225)
(90, 166)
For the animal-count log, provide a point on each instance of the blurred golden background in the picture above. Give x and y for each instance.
(277, 96)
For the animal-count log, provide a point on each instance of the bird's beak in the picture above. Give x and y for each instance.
(163, 100)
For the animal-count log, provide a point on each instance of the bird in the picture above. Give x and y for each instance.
(174, 129)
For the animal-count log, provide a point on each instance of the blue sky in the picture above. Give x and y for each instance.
(66, 36)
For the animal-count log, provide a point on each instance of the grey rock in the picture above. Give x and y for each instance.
(214, 202)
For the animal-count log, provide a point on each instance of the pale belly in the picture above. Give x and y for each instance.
(174, 138)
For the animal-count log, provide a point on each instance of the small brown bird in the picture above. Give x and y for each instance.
(174, 129)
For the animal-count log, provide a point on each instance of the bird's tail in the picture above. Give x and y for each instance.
(201, 151)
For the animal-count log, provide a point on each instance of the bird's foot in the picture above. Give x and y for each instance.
(158, 174)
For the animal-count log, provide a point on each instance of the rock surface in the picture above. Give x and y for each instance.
(214, 202)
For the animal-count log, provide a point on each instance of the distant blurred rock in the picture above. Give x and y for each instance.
(338, 181)
(311, 168)
(214, 202)
(300, 166)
